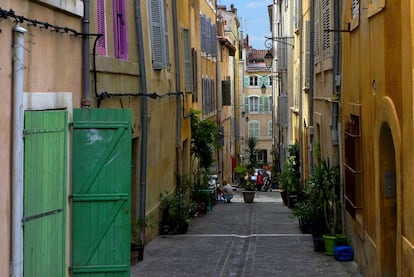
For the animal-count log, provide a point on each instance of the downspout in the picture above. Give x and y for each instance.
(311, 82)
(220, 164)
(17, 171)
(336, 124)
(144, 116)
(86, 97)
(177, 88)
(301, 70)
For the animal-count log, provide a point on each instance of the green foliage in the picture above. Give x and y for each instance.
(289, 178)
(275, 167)
(178, 207)
(240, 172)
(249, 186)
(323, 196)
(251, 152)
(138, 224)
(204, 139)
(303, 210)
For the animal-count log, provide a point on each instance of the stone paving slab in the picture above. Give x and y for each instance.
(238, 239)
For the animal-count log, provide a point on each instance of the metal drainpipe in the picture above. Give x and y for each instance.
(311, 83)
(177, 87)
(300, 25)
(17, 172)
(86, 97)
(144, 116)
(220, 164)
(336, 124)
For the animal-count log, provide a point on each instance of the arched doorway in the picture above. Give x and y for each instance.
(388, 202)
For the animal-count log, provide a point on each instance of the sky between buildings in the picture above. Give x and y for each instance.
(254, 19)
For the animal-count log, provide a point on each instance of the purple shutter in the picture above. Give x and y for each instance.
(120, 35)
(100, 23)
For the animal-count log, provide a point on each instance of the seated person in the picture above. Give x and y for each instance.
(227, 192)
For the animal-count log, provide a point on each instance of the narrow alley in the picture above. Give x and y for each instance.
(239, 239)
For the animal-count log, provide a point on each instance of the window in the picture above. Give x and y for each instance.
(253, 81)
(253, 104)
(254, 129)
(120, 34)
(72, 6)
(101, 27)
(188, 67)
(159, 34)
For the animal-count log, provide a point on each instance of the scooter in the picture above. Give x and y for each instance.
(266, 183)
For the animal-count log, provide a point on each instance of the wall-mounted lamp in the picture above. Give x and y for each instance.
(263, 89)
(268, 59)
(243, 113)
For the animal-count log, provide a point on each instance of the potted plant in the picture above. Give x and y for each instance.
(303, 212)
(325, 203)
(137, 244)
(249, 192)
(177, 208)
(289, 180)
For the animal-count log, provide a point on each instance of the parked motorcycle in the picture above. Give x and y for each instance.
(266, 183)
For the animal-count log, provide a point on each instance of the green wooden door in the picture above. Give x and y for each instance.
(101, 192)
(45, 155)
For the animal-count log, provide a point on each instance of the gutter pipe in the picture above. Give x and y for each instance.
(144, 116)
(17, 172)
(336, 124)
(300, 25)
(311, 83)
(177, 88)
(86, 97)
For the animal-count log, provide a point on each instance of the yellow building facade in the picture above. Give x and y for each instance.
(377, 115)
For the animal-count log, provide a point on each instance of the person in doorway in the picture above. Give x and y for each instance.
(227, 192)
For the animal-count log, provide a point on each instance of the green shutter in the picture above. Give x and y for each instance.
(44, 221)
(261, 104)
(246, 81)
(246, 104)
(260, 81)
(101, 192)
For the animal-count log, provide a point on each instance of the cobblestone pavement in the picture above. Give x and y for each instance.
(238, 239)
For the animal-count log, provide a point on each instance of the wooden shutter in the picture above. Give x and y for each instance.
(283, 107)
(120, 34)
(246, 81)
(187, 55)
(261, 104)
(326, 25)
(203, 32)
(225, 88)
(213, 33)
(316, 34)
(157, 35)
(101, 27)
(166, 40)
(307, 65)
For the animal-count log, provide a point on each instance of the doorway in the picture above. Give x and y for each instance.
(388, 203)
